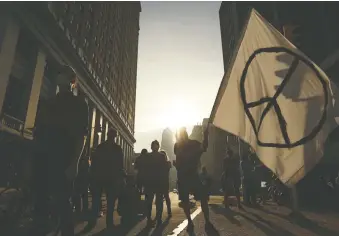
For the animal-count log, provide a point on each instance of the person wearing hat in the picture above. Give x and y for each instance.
(60, 134)
(107, 174)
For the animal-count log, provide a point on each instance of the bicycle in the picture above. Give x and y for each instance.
(16, 198)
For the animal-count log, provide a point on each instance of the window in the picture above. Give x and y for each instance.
(66, 8)
(85, 42)
(81, 7)
(21, 77)
(88, 25)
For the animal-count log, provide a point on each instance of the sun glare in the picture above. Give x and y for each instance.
(179, 113)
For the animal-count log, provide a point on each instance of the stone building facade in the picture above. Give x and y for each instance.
(99, 40)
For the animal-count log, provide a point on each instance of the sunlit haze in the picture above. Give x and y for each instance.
(179, 66)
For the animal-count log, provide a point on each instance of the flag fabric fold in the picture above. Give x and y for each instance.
(277, 100)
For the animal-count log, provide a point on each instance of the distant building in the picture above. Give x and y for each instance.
(167, 144)
(197, 133)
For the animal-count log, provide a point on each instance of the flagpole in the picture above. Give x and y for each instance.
(294, 198)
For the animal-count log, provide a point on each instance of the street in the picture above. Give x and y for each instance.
(139, 227)
(268, 220)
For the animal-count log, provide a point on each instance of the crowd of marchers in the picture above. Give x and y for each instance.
(153, 178)
(62, 174)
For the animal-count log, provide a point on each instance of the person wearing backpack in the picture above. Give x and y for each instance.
(60, 134)
(107, 173)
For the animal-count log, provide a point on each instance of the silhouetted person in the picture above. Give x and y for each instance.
(231, 177)
(107, 173)
(60, 133)
(166, 186)
(139, 165)
(188, 153)
(249, 180)
(155, 178)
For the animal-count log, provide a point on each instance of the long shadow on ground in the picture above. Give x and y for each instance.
(267, 227)
(301, 221)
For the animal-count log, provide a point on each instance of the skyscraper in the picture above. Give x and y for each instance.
(99, 40)
(317, 35)
(167, 144)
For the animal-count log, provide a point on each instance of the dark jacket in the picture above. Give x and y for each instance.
(187, 157)
(61, 125)
(107, 162)
(156, 171)
(139, 165)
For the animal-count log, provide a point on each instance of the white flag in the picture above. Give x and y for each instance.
(277, 100)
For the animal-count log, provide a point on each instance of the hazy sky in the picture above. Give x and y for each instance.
(180, 63)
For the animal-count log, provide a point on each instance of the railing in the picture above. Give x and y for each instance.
(9, 122)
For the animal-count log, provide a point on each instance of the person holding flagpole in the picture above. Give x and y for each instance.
(188, 153)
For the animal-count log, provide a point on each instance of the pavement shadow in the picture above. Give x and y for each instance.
(267, 227)
(228, 213)
(145, 231)
(302, 222)
(87, 229)
(159, 230)
(122, 229)
(128, 224)
(212, 231)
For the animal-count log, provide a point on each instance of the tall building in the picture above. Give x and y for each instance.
(197, 133)
(233, 17)
(99, 40)
(167, 144)
(318, 36)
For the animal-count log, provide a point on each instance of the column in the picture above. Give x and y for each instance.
(106, 130)
(100, 133)
(93, 128)
(35, 92)
(10, 34)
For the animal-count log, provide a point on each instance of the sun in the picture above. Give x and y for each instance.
(179, 113)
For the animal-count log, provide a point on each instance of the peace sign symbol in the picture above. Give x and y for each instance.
(272, 101)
